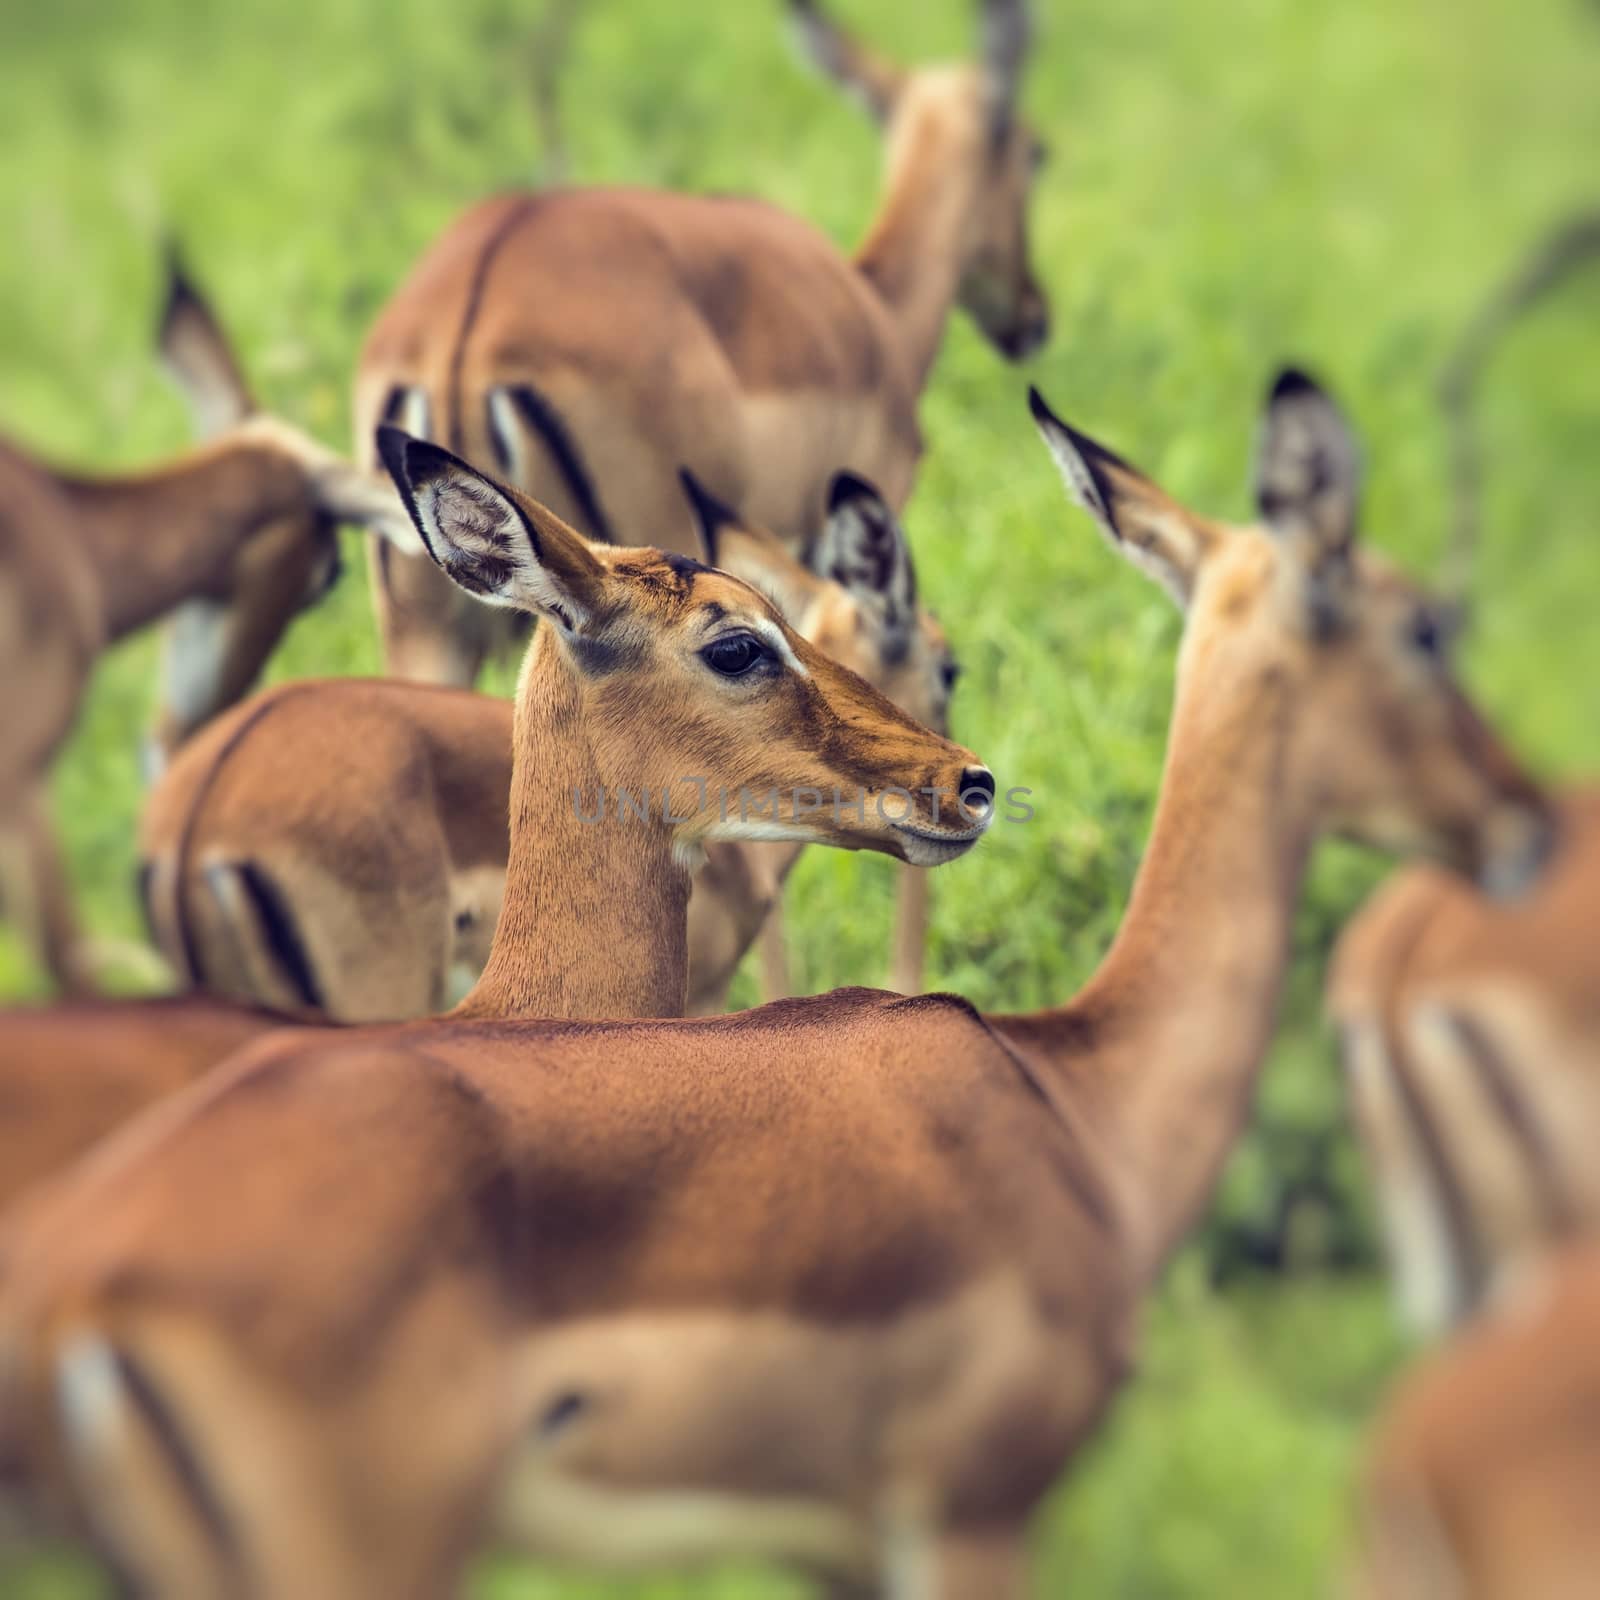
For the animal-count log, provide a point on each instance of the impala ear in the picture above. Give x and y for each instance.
(864, 549)
(198, 357)
(1146, 525)
(1308, 467)
(1308, 485)
(497, 545)
(873, 81)
(710, 514)
(1007, 32)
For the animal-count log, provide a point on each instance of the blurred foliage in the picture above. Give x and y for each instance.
(1337, 182)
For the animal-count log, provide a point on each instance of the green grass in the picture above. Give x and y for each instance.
(1333, 181)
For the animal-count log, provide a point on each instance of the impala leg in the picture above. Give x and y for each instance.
(910, 937)
(774, 954)
(961, 1564)
(36, 896)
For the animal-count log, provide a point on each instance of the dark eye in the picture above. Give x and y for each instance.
(1426, 634)
(949, 674)
(1038, 156)
(734, 654)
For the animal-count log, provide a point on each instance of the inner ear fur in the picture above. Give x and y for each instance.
(491, 540)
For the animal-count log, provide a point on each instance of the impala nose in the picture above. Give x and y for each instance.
(977, 792)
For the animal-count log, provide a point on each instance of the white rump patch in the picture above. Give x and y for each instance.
(88, 1394)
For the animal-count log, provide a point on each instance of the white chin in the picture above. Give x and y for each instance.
(921, 851)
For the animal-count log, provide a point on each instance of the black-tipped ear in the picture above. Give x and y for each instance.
(497, 546)
(711, 515)
(1145, 524)
(864, 549)
(1006, 33)
(197, 354)
(873, 81)
(1308, 467)
(1085, 464)
(846, 486)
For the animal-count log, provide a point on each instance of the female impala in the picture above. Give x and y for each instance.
(841, 1281)
(1485, 1472)
(589, 337)
(1471, 1036)
(266, 871)
(1470, 1028)
(230, 540)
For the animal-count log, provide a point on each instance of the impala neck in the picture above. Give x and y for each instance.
(914, 254)
(154, 539)
(1163, 1045)
(594, 921)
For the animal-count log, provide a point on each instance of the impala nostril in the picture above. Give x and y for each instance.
(977, 791)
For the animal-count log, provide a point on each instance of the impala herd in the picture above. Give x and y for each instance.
(447, 1207)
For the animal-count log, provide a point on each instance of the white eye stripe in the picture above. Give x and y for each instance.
(773, 635)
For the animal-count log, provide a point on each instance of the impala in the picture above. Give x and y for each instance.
(580, 338)
(1485, 1471)
(1470, 1029)
(586, 342)
(229, 540)
(1469, 1026)
(266, 872)
(842, 1281)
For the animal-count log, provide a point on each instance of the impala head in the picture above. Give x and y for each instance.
(856, 601)
(977, 102)
(685, 673)
(292, 495)
(1292, 614)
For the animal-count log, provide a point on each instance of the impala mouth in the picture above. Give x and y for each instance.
(924, 848)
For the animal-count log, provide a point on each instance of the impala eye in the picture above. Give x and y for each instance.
(1426, 634)
(949, 675)
(734, 654)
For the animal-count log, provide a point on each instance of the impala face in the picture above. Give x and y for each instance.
(1413, 765)
(759, 734)
(1350, 656)
(998, 288)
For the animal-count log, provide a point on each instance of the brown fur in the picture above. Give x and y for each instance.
(1471, 1028)
(854, 1274)
(1485, 1470)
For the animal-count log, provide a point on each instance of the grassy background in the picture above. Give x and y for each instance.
(1333, 181)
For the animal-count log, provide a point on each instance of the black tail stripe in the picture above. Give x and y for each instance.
(513, 219)
(538, 412)
(184, 851)
(283, 934)
(146, 873)
(185, 1463)
(1500, 1085)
